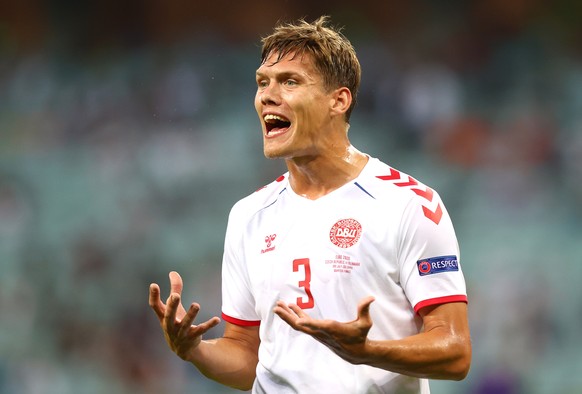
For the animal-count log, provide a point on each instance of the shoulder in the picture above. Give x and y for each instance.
(402, 190)
(386, 180)
(263, 197)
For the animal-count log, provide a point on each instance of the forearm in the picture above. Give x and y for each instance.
(433, 355)
(441, 351)
(228, 361)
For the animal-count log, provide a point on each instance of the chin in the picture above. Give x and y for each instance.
(271, 154)
(274, 151)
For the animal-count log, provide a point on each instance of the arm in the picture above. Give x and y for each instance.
(441, 351)
(230, 360)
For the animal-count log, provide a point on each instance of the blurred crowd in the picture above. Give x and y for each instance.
(125, 142)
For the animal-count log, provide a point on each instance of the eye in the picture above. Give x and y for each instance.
(290, 82)
(262, 83)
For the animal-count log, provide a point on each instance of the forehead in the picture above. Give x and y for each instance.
(300, 63)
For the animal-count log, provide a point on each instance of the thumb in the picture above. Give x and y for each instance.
(364, 309)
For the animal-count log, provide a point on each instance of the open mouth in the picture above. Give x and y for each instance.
(276, 124)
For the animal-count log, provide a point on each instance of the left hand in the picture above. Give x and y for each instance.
(348, 340)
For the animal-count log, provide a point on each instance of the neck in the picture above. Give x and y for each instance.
(315, 176)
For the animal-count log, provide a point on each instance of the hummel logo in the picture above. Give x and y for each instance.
(269, 241)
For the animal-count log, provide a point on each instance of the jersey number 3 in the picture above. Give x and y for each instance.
(305, 283)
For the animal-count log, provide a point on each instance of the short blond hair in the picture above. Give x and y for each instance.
(332, 53)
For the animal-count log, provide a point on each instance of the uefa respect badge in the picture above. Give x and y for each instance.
(435, 265)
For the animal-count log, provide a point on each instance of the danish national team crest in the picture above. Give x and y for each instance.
(345, 233)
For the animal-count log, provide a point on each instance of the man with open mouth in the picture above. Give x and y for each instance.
(343, 275)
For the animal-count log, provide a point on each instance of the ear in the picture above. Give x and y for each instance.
(341, 100)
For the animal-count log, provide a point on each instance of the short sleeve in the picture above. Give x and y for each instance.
(238, 302)
(430, 269)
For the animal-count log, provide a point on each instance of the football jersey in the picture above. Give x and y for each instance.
(382, 234)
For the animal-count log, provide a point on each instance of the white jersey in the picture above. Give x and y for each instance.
(383, 234)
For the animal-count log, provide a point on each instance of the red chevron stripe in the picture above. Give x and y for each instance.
(394, 174)
(428, 193)
(411, 182)
(434, 216)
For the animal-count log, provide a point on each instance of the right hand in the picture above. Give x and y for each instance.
(181, 334)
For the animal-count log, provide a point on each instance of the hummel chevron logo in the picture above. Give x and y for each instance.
(426, 193)
(434, 216)
(394, 175)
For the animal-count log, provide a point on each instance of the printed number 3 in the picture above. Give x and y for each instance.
(306, 284)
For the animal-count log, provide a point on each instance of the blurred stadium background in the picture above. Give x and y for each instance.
(128, 131)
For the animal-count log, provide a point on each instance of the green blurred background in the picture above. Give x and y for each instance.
(128, 131)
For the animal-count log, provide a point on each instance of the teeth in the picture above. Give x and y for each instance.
(273, 118)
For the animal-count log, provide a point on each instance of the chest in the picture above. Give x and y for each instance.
(319, 255)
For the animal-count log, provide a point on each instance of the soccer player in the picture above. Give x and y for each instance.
(343, 274)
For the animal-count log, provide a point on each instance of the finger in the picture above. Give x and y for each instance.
(171, 308)
(298, 311)
(314, 325)
(202, 328)
(284, 306)
(291, 310)
(304, 320)
(176, 283)
(189, 317)
(283, 311)
(155, 302)
(290, 315)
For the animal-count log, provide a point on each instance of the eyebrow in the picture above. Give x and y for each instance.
(282, 75)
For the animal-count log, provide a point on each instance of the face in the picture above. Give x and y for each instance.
(293, 106)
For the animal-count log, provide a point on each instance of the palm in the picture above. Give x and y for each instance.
(345, 339)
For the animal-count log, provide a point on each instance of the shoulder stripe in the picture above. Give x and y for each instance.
(423, 191)
(394, 175)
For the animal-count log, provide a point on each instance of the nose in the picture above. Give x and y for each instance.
(270, 94)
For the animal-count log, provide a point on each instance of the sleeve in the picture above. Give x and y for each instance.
(430, 269)
(238, 301)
